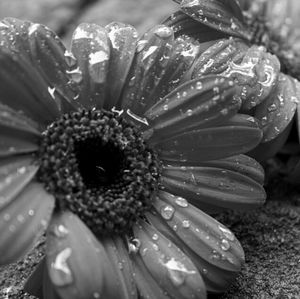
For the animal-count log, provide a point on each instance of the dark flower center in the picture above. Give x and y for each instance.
(98, 165)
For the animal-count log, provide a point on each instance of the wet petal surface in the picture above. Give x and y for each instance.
(23, 221)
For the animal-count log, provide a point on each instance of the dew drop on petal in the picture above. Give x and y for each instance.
(96, 295)
(199, 85)
(76, 75)
(225, 245)
(31, 212)
(227, 233)
(167, 212)
(186, 223)
(163, 31)
(182, 202)
(60, 272)
(177, 272)
(134, 245)
(155, 237)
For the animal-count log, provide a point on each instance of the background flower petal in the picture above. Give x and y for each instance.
(277, 111)
(200, 103)
(152, 55)
(235, 136)
(218, 57)
(209, 187)
(23, 220)
(224, 16)
(182, 24)
(170, 267)
(123, 39)
(90, 46)
(78, 267)
(55, 64)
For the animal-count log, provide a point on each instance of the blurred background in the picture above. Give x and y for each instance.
(63, 16)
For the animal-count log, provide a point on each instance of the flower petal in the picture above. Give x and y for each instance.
(169, 266)
(23, 220)
(278, 110)
(21, 82)
(176, 70)
(224, 16)
(266, 150)
(147, 286)
(124, 285)
(78, 267)
(219, 56)
(183, 24)
(55, 64)
(123, 40)
(15, 174)
(256, 74)
(11, 121)
(241, 164)
(235, 136)
(212, 247)
(209, 187)
(90, 46)
(197, 103)
(152, 55)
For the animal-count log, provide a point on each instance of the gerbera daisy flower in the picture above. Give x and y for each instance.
(247, 47)
(106, 150)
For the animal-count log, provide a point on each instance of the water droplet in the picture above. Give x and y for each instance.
(164, 31)
(6, 217)
(177, 271)
(149, 52)
(189, 112)
(51, 92)
(199, 85)
(76, 75)
(20, 218)
(98, 57)
(141, 45)
(155, 247)
(272, 107)
(134, 245)
(186, 223)
(182, 202)
(167, 212)
(60, 272)
(227, 233)
(155, 237)
(225, 245)
(144, 251)
(31, 212)
(139, 119)
(96, 295)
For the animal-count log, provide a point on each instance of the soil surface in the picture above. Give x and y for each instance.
(270, 235)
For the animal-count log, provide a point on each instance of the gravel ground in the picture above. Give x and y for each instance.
(270, 235)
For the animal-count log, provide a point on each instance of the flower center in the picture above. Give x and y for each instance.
(97, 165)
(276, 43)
